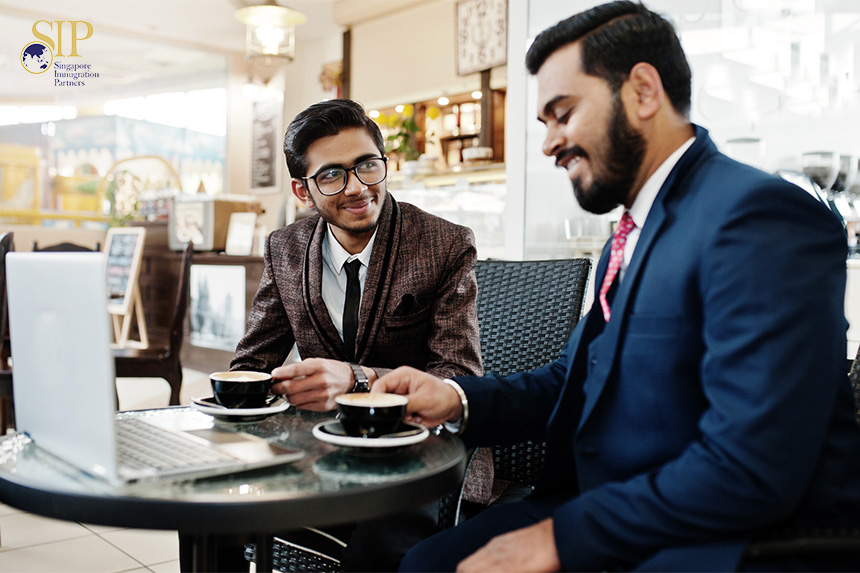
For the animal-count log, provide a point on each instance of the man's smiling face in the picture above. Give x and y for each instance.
(588, 131)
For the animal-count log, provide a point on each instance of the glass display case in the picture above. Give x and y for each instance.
(472, 196)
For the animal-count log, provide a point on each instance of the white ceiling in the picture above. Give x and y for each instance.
(141, 43)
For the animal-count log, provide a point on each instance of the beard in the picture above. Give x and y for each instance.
(622, 161)
(330, 214)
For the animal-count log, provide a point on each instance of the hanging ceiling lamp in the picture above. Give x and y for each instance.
(271, 36)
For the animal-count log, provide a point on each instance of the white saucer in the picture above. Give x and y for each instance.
(332, 432)
(209, 406)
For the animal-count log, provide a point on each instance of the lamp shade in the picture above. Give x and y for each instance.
(271, 32)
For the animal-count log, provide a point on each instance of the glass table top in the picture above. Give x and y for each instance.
(326, 471)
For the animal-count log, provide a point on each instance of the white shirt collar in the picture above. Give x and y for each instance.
(338, 255)
(645, 199)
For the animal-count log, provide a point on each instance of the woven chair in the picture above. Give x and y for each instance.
(837, 546)
(526, 312)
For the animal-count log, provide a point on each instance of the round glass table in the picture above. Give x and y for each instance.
(330, 485)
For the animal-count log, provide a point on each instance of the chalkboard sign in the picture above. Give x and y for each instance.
(124, 247)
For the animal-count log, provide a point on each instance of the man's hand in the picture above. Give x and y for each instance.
(528, 549)
(312, 384)
(431, 401)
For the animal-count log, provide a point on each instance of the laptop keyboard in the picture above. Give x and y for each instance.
(141, 445)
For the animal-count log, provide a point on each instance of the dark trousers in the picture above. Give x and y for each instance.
(380, 544)
(446, 549)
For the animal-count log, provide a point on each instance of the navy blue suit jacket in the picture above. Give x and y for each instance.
(715, 403)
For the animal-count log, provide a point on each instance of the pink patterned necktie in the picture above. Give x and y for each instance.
(616, 255)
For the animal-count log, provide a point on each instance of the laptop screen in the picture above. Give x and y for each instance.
(63, 368)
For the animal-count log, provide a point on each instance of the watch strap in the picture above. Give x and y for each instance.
(361, 384)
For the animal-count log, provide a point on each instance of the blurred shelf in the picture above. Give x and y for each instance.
(35, 217)
(470, 175)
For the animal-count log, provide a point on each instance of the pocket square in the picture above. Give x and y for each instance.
(407, 305)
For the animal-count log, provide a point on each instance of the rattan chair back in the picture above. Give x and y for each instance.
(526, 312)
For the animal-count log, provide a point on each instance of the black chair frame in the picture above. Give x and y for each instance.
(7, 412)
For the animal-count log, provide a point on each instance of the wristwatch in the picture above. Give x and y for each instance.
(361, 384)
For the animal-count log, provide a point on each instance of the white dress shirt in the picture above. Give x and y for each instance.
(334, 279)
(645, 199)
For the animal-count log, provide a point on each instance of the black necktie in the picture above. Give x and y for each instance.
(350, 307)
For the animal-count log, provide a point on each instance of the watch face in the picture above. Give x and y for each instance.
(482, 35)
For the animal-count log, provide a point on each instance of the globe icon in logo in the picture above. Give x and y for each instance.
(36, 58)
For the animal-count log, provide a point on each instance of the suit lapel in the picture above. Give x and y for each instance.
(312, 293)
(377, 284)
(656, 220)
(620, 302)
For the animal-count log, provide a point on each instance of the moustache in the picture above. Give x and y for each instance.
(356, 202)
(570, 152)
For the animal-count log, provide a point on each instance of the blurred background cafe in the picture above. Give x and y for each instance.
(169, 116)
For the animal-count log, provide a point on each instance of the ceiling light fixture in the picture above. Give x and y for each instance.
(271, 36)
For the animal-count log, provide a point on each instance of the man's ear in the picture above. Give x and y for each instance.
(647, 86)
(301, 192)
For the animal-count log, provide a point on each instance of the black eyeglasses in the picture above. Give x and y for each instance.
(332, 181)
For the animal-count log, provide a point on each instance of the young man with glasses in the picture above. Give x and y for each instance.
(417, 272)
(413, 300)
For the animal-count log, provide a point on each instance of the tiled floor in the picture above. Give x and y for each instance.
(30, 543)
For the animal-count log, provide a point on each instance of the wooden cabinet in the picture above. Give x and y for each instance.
(159, 275)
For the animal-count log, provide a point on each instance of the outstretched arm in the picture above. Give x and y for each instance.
(431, 401)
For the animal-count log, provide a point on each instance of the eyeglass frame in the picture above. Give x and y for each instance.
(346, 179)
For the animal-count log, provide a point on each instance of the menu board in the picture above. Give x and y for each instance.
(124, 247)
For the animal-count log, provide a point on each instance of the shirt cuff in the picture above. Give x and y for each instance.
(458, 426)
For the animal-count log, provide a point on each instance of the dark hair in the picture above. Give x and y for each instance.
(321, 120)
(615, 37)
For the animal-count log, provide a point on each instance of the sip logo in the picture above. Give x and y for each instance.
(37, 57)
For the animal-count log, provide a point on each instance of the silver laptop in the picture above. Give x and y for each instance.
(65, 384)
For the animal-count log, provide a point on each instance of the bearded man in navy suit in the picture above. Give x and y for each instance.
(703, 400)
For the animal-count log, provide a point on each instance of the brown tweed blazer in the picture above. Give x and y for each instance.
(418, 307)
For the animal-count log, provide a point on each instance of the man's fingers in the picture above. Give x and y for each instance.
(296, 370)
(316, 399)
(398, 381)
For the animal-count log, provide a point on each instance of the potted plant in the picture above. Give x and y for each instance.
(403, 139)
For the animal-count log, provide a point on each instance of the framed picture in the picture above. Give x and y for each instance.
(482, 35)
(217, 301)
(240, 234)
(266, 136)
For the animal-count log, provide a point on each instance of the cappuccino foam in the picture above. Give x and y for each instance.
(239, 376)
(372, 400)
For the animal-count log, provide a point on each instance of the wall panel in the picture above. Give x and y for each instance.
(410, 56)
